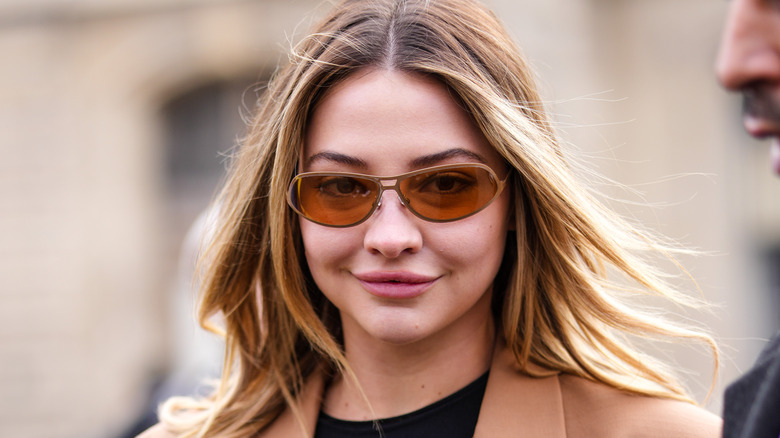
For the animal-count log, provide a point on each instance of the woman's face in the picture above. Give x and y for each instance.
(397, 278)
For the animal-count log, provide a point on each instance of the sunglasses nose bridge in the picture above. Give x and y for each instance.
(395, 186)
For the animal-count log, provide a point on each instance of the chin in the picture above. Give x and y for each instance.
(774, 154)
(398, 334)
(399, 339)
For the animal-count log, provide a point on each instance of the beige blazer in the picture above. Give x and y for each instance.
(558, 406)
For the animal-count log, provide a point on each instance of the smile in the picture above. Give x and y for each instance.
(395, 285)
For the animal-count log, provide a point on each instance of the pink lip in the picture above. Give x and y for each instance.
(761, 128)
(395, 284)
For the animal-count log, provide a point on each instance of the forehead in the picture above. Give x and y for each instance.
(386, 120)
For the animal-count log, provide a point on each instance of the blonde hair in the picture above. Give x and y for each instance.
(555, 305)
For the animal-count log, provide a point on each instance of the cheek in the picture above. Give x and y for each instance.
(474, 246)
(326, 247)
(484, 235)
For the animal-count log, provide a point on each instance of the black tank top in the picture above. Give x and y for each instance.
(454, 416)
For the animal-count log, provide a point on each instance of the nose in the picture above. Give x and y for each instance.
(749, 49)
(392, 229)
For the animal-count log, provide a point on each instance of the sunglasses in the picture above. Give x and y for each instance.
(436, 194)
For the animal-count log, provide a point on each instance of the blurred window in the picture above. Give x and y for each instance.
(202, 126)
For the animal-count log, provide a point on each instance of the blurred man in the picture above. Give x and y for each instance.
(749, 62)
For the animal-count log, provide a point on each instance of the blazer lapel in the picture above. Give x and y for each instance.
(514, 404)
(518, 405)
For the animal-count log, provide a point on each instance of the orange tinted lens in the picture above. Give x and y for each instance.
(449, 194)
(334, 199)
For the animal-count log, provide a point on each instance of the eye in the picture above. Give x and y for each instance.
(342, 186)
(446, 183)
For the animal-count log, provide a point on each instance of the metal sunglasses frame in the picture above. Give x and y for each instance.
(378, 180)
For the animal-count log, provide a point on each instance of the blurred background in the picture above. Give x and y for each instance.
(115, 116)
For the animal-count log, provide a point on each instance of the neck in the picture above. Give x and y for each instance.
(398, 379)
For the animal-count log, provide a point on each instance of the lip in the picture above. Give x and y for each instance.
(395, 284)
(761, 128)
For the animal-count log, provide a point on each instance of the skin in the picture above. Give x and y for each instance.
(749, 62)
(416, 342)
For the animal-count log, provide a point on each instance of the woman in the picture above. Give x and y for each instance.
(403, 251)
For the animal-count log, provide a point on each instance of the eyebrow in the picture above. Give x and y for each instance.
(419, 162)
(433, 159)
(335, 157)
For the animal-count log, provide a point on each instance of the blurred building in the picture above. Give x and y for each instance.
(115, 117)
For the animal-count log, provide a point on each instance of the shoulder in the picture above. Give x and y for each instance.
(595, 409)
(157, 431)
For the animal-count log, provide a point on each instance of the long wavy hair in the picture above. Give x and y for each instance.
(556, 296)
